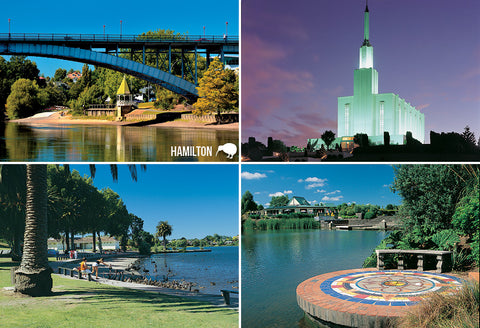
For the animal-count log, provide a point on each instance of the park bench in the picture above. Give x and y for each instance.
(441, 257)
(226, 295)
(69, 271)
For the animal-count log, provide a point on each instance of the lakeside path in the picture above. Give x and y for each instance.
(56, 119)
(121, 262)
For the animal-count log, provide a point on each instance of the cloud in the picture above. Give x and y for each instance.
(288, 192)
(257, 193)
(332, 199)
(386, 186)
(422, 106)
(278, 193)
(320, 190)
(253, 176)
(333, 192)
(314, 185)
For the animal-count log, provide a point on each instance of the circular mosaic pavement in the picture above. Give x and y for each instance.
(388, 287)
(366, 297)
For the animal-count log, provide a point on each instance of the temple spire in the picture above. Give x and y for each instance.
(366, 26)
(366, 50)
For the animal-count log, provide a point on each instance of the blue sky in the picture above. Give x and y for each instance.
(196, 199)
(360, 184)
(88, 17)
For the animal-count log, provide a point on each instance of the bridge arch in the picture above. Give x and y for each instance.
(148, 73)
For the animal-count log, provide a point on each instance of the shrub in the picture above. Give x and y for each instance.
(445, 310)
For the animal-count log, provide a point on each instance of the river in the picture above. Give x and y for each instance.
(104, 143)
(211, 271)
(274, 263)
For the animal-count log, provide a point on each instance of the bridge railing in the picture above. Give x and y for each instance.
(59, 37)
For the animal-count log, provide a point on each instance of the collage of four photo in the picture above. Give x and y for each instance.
(213, 165)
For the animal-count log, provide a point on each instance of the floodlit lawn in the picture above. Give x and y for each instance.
(79, 303)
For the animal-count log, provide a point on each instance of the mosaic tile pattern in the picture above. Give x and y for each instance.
(391, 288)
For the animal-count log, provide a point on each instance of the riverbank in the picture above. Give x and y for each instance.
(79, 303)
(56, 118)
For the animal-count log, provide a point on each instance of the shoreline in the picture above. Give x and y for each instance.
(57, 120)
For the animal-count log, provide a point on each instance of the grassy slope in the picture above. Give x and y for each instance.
(78, 303)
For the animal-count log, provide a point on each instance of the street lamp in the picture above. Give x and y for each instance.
(226, 28)
(204, 32)
(104, 31)
(120, 28)
(9, 27)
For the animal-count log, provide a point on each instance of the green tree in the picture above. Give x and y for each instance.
(23, 101)
(60, 74)
(247, 202)
(216, 90)
(469, 136)
(12, 209)
(163, 230)
(278, 201)
(328, 137)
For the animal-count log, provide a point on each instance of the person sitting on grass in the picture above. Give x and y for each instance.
(84, 267)
(95, 266)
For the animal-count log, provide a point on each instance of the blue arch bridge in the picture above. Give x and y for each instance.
(104, 50)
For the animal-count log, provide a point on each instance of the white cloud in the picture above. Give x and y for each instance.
(333, 192)
(288, 192)
(257, 193)
(253, 176)
(314, 185)
(321, 190)
(314, 201)
(332, 199)
(267, 204)
(387, 185)
(278, 193)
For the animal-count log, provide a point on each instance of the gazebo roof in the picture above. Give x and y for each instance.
(123, 90)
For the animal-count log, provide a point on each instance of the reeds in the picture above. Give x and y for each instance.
(457, 310)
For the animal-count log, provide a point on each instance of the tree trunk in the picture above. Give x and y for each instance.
(33, 277)
(72, 241)
(94, 240)
(67, 240)
(99, 243)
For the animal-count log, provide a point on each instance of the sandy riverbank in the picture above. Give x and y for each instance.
(58, 119)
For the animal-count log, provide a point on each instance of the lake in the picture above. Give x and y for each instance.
(274, 263)
(95, 143)
(212, 271)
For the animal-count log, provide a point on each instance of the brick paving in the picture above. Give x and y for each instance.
(367, 297)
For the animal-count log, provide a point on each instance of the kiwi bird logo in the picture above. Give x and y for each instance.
(229, 148)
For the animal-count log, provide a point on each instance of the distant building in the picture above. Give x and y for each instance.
(301, 205)
(74, 76)
(108, 243)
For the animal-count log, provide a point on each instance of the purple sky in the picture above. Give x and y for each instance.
(299, 56)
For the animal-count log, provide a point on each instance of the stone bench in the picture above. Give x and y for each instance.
(226, 295)
(441, 257)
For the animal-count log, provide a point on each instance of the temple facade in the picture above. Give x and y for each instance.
(372, 113)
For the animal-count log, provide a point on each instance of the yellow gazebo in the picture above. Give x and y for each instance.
(125, 102)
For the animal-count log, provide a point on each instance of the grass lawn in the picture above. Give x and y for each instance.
(78, 303)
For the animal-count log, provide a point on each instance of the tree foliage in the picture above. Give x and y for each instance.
(163, 230)
(247, 203)
(328, 137)
(217, 90)
(278, 201)
(23, 101)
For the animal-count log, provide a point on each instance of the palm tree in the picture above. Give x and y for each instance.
(163, 230)
(33, 277)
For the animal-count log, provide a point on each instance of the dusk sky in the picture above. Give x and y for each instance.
(327, 183)
(299, 56)
(196, 199)
(89, 16)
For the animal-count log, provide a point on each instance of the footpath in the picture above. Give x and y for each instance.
(121, 263)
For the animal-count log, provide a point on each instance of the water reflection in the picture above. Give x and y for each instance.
(72, 143)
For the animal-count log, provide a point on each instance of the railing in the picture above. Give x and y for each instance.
(59, 37)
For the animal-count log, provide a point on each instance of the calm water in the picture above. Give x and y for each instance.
(274, 263)
(220, 266)
(75, 143)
